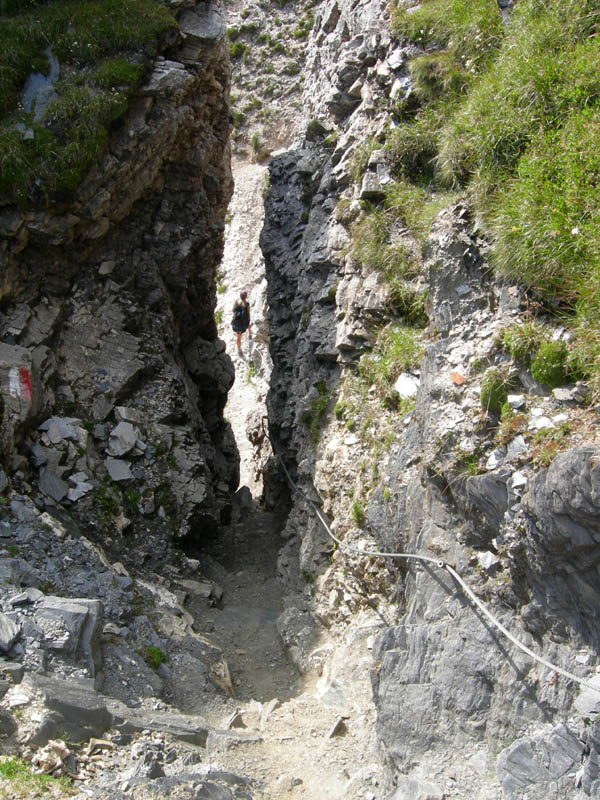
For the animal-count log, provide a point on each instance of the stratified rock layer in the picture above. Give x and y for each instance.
(451, 692)
(109, 304)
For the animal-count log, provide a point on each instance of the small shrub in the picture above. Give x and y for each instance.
(238, 50)
(238, 118)
(412, 148)
(360, 158)
(155, 656)
(549, 364)
(291, 68)
(105, 500)
(496, 384)
(358, 512)
(522, 340)
(303, 28)
(132, 498)
(438, 75)
(408, 303)
(315, 130)
(511, 425)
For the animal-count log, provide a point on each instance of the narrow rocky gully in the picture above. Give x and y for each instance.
(296, 735)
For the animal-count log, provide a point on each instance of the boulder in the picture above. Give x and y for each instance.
(72, 627)
(539, 761)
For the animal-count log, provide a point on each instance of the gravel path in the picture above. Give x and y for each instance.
(243, 268)
(305, 736)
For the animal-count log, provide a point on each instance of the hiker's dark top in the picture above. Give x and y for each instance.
(241, 316)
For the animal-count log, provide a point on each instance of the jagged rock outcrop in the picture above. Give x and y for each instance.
(113, 380)
(451, 693)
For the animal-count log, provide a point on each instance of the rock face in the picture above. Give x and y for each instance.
(107, 330)
(451, 692)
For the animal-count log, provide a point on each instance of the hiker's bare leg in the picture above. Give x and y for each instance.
(238, 338)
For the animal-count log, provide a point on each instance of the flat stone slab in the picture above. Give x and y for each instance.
(9, 633)
(118, 470)
(122, 439)
(83, 709)
(187, 728)
(52, 486)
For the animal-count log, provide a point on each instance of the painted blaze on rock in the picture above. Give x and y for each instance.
(19, 398)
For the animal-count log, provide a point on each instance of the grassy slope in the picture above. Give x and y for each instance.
(104, 48)
(511, 114)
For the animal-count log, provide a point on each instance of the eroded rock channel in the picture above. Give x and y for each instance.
(175, 621)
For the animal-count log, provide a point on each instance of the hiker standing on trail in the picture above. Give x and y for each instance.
(241, 318)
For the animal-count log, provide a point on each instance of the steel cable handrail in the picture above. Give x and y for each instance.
(441, 565)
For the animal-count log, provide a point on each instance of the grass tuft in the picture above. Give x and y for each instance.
(104, 48)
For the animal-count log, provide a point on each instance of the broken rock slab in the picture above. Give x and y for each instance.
(186, 728)
(220, 742)
(414, 789)
(52, 485)
(9, 633)
(83, 712)
(122, 439)
(118, 469)
(125, 414)
(79, 622)
(538, 760)
(59, 428)
(30, 595)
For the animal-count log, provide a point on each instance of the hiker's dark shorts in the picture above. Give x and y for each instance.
(239, 326)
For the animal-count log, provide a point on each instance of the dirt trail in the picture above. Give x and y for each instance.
(305, 736)
(243, 268)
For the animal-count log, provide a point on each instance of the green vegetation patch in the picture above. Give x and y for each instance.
(103, 47)
(24, 782)
(313, 417)
(546, 219)
(510, 111)
(549, 366)
(496, 384)
(522, 340)
(398, 349)
(470, 29)
(155, 656)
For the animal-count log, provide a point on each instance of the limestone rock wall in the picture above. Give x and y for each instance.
(108, 304)
(460, 711)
